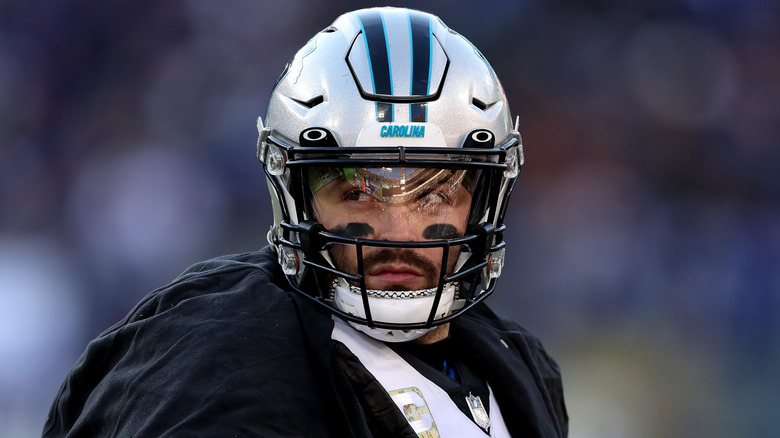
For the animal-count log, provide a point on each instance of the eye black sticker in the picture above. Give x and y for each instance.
(440, 232)
(353, 229)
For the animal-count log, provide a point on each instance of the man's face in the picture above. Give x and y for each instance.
(397, 204)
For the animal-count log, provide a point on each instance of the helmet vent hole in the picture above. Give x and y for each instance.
(482, 106)
(330, 29)
(311, 103)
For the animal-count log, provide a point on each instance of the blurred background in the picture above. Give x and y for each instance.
(644, 234)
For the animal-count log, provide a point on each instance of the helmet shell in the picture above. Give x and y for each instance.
(348, 75)
(398, 78)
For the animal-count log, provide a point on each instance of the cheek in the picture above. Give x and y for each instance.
(453, 258)
(344, 257)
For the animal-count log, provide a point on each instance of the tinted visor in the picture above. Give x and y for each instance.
(391, 184)
(428, 203)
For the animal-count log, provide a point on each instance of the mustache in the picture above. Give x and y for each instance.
(409, 257)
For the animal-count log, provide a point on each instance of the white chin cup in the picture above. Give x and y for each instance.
(395, 307)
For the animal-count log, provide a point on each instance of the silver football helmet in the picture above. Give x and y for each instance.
(390, 156)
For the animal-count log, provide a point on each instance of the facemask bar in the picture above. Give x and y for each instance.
(313, 239)
(279, 156)
(295, 235)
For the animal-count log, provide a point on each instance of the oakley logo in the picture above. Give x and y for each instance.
(402, 131)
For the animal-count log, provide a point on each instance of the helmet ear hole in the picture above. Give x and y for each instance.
(480, 139)
(317, 137)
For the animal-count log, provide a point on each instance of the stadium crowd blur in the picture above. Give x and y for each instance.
(644, 239)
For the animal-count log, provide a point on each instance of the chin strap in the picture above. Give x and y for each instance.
(389, 294)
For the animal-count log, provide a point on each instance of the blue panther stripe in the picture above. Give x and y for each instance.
(373, 26)
(421, 40)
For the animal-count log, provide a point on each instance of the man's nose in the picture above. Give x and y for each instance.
(396, 222)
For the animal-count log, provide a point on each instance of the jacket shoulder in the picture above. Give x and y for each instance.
(229, 279)
(218, 350)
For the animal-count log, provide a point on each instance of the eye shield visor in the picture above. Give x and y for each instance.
(392, 184)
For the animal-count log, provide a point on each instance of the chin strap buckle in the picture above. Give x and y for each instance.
(483, 245)
(308, 234)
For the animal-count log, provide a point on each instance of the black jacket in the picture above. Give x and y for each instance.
(227, 350)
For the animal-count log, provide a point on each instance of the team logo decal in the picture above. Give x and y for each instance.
(478, 411)
(402, 131)
(401, 134)
(412, 404)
